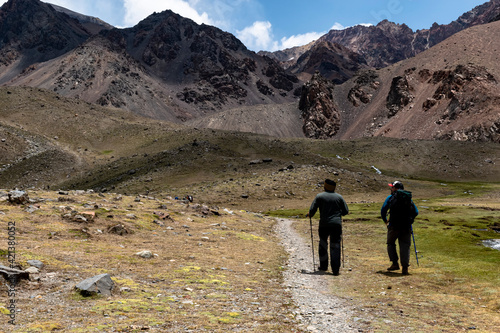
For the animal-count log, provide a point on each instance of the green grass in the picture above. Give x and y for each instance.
(457, 282)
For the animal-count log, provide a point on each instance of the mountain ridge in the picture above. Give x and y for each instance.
(388, 42)
(169, 68)
(179, 70)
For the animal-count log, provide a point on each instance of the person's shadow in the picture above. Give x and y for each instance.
(391, 273)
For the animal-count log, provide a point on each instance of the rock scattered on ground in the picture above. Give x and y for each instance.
(99, 284)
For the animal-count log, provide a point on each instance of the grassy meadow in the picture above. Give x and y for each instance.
(218, 269)
(456, 284)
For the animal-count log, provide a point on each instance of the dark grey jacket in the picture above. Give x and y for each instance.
(331, 207)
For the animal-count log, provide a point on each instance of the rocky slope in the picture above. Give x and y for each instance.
(333, 61)
(167, 67)
(450, 91)
(33, 32)
(387, 43)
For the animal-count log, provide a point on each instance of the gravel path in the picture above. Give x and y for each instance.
(319, 310)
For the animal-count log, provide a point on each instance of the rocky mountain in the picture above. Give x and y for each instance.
(167, 67)
(449, 91)
(333, 61)
(93, 24)
(288, 57)
(213, 69)
(387, 42)
(32, 32)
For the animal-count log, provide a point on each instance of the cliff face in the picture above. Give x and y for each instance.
(319, 112)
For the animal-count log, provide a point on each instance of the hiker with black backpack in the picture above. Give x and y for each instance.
(402, 212)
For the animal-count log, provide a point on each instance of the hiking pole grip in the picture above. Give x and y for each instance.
(312, 244)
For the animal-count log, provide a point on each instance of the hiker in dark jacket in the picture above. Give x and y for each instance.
(401, 216)
(331, 209)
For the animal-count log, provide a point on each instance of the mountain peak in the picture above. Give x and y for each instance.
(33, 31)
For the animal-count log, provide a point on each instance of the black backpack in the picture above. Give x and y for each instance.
(401, 209)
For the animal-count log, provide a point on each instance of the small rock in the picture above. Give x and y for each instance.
(160, 223)
(32, 270)
(118, 229)
(79, 218)
(35, 263)
(31, 209)
(90, 216)
(145, 254)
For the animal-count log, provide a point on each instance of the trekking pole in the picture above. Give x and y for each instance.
(414, 245)
(312, 243)
(342, 241)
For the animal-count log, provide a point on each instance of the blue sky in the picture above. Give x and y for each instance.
(278, 24)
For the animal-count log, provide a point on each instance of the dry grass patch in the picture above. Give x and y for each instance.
(208, 273)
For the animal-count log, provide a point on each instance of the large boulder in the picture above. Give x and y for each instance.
(17, 197)
(97, 285)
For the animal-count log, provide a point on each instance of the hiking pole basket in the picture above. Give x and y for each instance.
(414, 245)
(312, 244)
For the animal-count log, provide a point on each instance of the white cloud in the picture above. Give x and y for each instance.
(137, 10)
(258, 36)
(337, 26)
(299, 40)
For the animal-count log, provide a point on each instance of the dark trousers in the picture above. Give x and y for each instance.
(334, 233)
(404, 239)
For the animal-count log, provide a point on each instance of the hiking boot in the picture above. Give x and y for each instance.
(405, 271)
(394, 267)
(322, 269)
(336, 273)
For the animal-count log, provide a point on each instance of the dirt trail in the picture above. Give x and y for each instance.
(319, 310)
